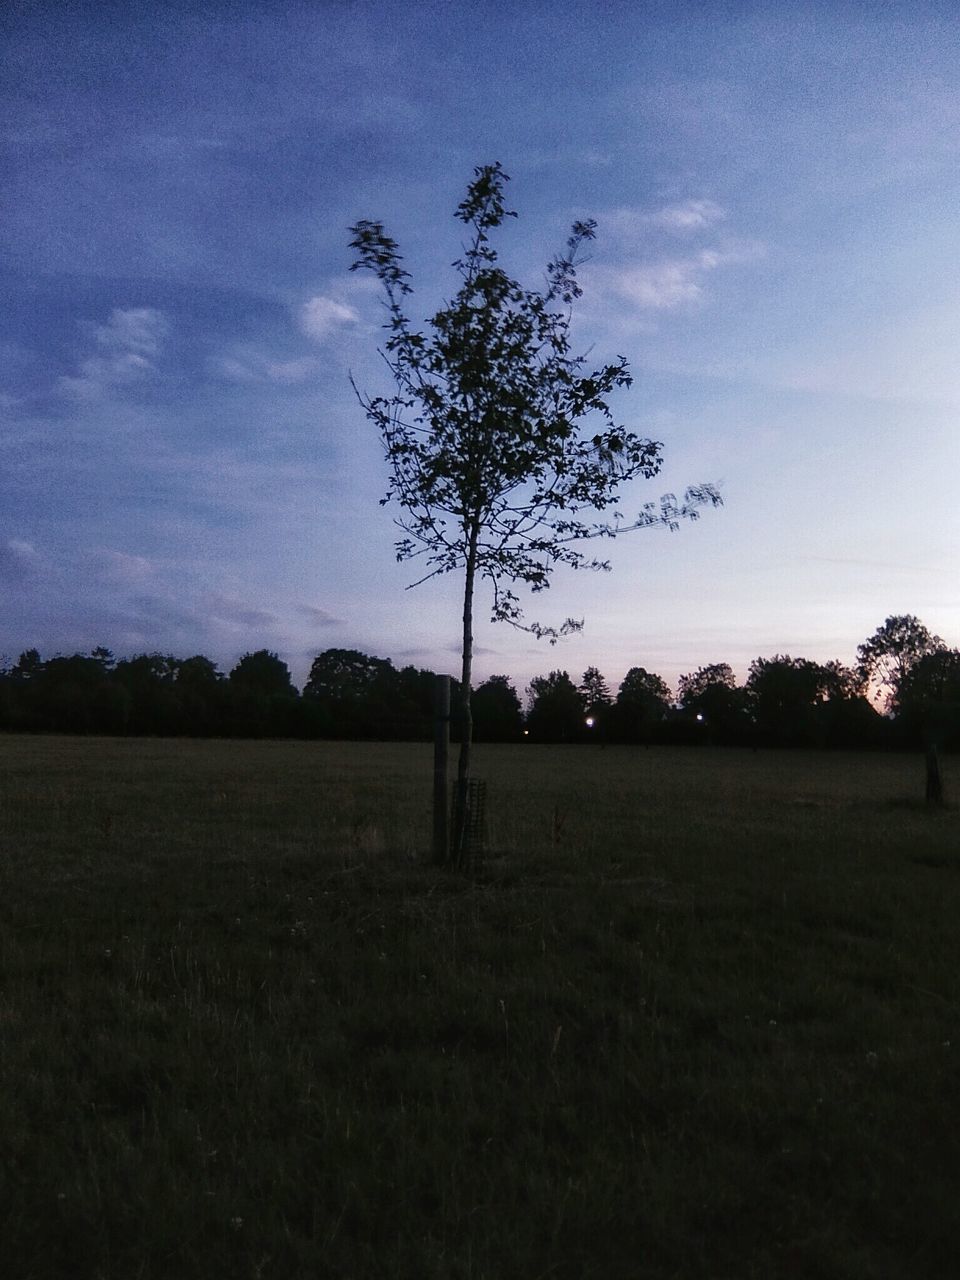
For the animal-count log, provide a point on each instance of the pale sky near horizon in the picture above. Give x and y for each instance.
(185, 468)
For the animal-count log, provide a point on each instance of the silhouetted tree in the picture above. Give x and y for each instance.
(202, 696)
(711, 695)
(264, 700)
(27, 666)
(557, 709)
(152, 703)
(413, 710)
(643, 702)
(786, 693)
(497, 713)
(597, 701)
(356, 693)
(929, 702)
(264, 672)
(885, 660)
(487, 461)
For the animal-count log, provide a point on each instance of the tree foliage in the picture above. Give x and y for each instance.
(887, 657)
(643, 702)
(487, 461)
(557, 709)
(497, 713)
(596, 692)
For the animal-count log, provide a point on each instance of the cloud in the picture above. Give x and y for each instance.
(690, 215)
(247, 366)
(237, 613)
(121, 567)
(124, 351)
(321, 316)
(662, 285)
(319, 617)
(19, 560)
(630, 225)
(137, 330)
(640, 262)
(292, 370)
(667, 282)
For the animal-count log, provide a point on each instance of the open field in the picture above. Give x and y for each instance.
(698, 1016)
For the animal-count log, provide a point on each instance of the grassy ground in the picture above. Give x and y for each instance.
(698, 1017)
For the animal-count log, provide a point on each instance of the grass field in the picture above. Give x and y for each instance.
(697, 1016)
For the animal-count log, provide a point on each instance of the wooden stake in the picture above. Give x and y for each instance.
(441, 753)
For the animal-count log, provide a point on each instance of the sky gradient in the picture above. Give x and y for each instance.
(185, 467)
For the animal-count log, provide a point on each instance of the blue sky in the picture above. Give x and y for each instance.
(184, 465)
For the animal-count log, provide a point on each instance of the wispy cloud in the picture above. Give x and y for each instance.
(629, 226)
(662, 284)
(320, 316)
(237, 613)
(639, 262)
(246, 366)
(19, 560)
(318, 617)
(689, 215)
(124, 351)
(121, 566)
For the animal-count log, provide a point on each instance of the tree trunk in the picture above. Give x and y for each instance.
(934, 777)
(458, 850)
(934, 734)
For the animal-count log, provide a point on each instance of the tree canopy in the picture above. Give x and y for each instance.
(887, 657)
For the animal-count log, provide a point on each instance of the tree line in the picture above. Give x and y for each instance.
(904, 686)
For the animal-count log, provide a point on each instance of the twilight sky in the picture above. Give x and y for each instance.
(184, 465)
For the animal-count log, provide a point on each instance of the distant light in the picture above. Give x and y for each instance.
(526, 733)
(590, 722)
(700, 715)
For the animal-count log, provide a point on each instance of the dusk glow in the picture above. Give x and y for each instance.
(186, 468)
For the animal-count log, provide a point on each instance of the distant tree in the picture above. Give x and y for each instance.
(692, 688)
(198, 672)
(934, 679)
(263, 672)
(152, 705)
(840, 682)
(357, 694)
(263, 696)
(557, 709)
(711, 694)
(886, 659)
(845, 718)
(487, 461)
(929, 709)
(414, 704)
(786, 693)
(497, 713)
(345, 675)
(596, 694)
(27, 665)
(643, 702)
(104, 657)
(61, 694)
(202, 695)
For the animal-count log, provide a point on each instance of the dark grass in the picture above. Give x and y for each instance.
(697, 1017)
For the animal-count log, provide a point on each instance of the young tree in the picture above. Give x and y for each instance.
(482, 432)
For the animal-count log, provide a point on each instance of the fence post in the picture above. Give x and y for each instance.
(441, 752)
